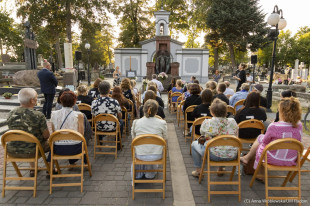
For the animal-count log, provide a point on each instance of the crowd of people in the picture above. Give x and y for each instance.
(149, 117)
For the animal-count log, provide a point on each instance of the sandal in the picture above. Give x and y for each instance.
(31, 174)
(195, 173)
(220, 170)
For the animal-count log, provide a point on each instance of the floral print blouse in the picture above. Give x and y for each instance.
(220, 126)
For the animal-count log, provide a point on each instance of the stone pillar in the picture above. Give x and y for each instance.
(175, 68)
(150, 69)
(68, 55)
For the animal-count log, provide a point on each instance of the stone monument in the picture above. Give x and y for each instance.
(30, 47)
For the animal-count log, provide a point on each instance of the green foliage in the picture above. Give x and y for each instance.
(134, 18)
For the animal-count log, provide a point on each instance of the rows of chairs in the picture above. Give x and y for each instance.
(228, 140)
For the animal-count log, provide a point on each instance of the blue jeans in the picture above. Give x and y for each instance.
(148, 175)
(198, 152)
(48, 104)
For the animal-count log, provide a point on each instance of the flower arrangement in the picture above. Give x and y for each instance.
(7, 95)
(145, 81)
(162, 76)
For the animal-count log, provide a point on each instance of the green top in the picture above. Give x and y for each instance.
(30, 121)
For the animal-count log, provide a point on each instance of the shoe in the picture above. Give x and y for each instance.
(54, 173)
(195, 173)
(31, 174)
(221, 169)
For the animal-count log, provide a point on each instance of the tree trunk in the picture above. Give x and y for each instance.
(1, 47)
(216, 58)
(58, 52)
(68, 21)
(232, 56)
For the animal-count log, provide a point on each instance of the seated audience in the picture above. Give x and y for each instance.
(251, 110)
(177, 88)
(148, 124)
(25, 118)
(158, 99)
(128, 93)
(58, 103)
(151, 95)
(133, 86)
(118, 95)
(172, 84)
(67, 118)
(187, 93)
(147, 88)
(192, 80)
(203, 110)
(239, 95)
(220, 93)
(284, 94)
(228, 92)
(84, 98)
(210, 128)
(289, 126)
(94, 92)
(160, 86)
(259, 88)
(212, 86)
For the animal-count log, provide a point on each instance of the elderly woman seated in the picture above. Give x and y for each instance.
(289, 126)
(67, 118)
(217, 125)
(148, 124)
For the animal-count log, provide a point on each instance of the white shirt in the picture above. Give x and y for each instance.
(249, 79)
(159, 85)
(151, 125)
(229, 91)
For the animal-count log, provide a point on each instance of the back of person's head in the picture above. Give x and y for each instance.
(195, 89)
(118, 95)
(252, 99)
(153, 88)
(245, 86)
(196, 81)
(206, 96)
(154, 76)
(133, 83)
(46, 64)
(193, 78)
(149, 95)
(211, 85)
(290, 110)
(104, 87)
(125, 84)
(60, 93)
(25, 95)
(221, 87)
(68, 99)
(97, 82)
(243, 65)
(288, 93)
(218, 108)
(150, 108)
(188, 86)
(82, 90)
(248, 74)
(227, 84)
(179, 83)
(151, 84)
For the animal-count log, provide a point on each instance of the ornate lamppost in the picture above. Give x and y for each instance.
(279, 23)
(87, 47)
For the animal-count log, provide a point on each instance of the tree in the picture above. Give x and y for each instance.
(239, 23)
(134, 18)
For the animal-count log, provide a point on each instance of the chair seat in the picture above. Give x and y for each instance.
(141, 162)
(224, 163)
(107, 133)
(65, 157)
(280, 168)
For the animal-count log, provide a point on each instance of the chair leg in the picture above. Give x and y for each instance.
(95, 144)
(232, 173)
(286, 179)
(255, 174)
(16, 169)
(51, 174)
(82, 170)
(4, 174)
(35, 174)
(133, 179)
(266, 184)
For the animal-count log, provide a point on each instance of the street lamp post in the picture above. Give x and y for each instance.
(279, 23)
(87, 47)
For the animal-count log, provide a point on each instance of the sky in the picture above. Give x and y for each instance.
(294, 11)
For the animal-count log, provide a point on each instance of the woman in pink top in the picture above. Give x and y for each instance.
(289, 126)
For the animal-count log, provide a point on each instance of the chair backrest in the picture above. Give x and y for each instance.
(231, 109)
(225, 140)
(147, 139)
(239, 103)
(285, 143)
(252, 123)
(106, 117)
(182, 103)
(125, 111)
(159, 117)
(179, 100)
(84, 107)
(176, 94)
(199, 120)
(66, 134)
(190, 109)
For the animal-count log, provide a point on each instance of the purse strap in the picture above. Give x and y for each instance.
(65, 119)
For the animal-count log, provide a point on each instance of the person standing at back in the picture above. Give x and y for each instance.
(48, 84)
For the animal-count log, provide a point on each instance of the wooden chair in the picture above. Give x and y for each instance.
(142, 140)
(159, 117)
(186, 129)
(18, 135)
(173, 105)
(125, 119)
(180, 114)
(116, 134)
(85, 107)
(286, 143)
(304, 158)
(223, 140)
(131, 113)
(169, 99)
(231, 110)
(251, 123)
(195, 136)
(238, 103)
(68, 134)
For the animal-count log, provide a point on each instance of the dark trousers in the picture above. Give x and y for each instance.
(67, 150)
(48, 104)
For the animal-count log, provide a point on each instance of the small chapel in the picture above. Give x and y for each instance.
(163, 54)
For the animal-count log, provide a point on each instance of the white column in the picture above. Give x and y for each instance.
(68, 55)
